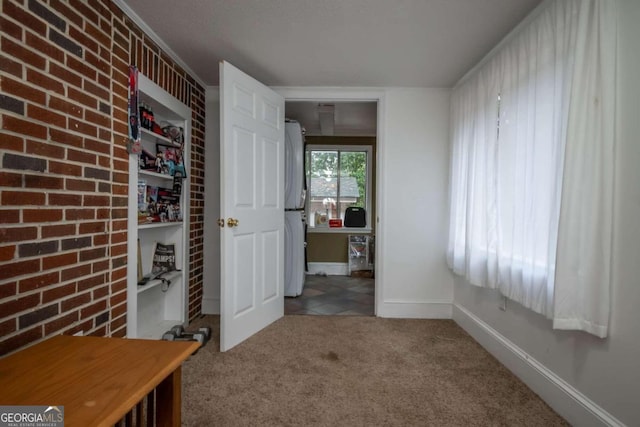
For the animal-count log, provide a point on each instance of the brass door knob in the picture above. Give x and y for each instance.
(220, 222)
(231, 222)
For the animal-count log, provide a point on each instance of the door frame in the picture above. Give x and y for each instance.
(211, 285)
(328, 95)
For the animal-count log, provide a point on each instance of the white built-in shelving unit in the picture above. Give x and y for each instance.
(153, 308)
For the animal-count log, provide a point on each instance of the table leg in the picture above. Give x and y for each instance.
(168, 400)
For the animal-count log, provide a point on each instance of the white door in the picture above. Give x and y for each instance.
(252, 206)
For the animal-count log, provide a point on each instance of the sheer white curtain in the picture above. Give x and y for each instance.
(532, 133)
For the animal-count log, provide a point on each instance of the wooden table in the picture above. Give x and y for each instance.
(97, 380)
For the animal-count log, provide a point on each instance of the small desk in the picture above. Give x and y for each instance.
(97, 380)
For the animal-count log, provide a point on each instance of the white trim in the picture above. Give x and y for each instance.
(328, 268)
(210, 305)
(433, 309)
(565, 399)
(156, 38)
(357, 94)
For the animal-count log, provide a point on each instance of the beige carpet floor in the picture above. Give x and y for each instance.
(355, 371)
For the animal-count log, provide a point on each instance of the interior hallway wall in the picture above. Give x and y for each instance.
(413, 215)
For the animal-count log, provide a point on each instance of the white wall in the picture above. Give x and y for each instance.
(211, 271)
(415, 156)
(603, 375)
(412, 182)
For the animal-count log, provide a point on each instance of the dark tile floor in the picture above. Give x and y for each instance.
(333, 295)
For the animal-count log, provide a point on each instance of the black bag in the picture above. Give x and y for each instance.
(355, 217)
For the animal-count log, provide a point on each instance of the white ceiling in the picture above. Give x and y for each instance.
(424, 43)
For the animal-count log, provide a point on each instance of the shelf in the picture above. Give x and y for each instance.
(171, 276)
(159, 225)
(159, 138)
(155, 174)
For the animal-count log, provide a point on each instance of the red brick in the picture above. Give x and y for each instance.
(24, 127)
(104, 161)
(8, 290)
(58, 230)
(93, 309)
(104, 213)
(25, 18)
(10, 66)
(100, 292)
(17, 198)
(43, 182)
(118, 274)
(118, 237)
(67, 12)
(81, 156)
(58, 292)
(21, 90)
(11, 307)
(42, 45)
(80, 67)
(81, 38)
(7, 253)
(10, 142)
(21, 53)
(8, 179)
(100, 239)
(45, 149)
(100, 266)
(65, 106)
(7, 327)
(63, 73)
(96, 90)
(37, 282)
(97, 146)
(91, 282)
(56, 261)
(100, 64)
(45, 115)
(118, 213)
(75, 272)
(117, 250)
(119, 225)
(81, 97)
(65, 138)
(82, 127)
(60, 323)
(79, 185)
(118, 310)
(76, 214)
(93, 200)
(97, 118)
(18, 234)
(64, 168)
(92, 227)
(76, 301)
(11, 29)
(65, 199)
(118, 298)
(104, 135)
(41, 215)
(23, 338)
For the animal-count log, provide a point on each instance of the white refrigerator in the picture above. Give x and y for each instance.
(294, 217)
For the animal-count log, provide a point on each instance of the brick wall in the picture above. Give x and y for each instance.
(63, 182)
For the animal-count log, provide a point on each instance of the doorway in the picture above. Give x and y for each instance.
(340, 164)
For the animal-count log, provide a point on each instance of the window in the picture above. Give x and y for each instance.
(338, 177)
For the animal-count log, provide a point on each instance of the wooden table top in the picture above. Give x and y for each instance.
(97, 380)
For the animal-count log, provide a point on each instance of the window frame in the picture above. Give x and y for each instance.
(368, 149)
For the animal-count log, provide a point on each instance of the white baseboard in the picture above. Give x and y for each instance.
(415, 310)
(570, 403)
(328, 268)
(210, 305)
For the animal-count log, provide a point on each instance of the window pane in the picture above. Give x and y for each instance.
(353, 180)
(323, 185)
